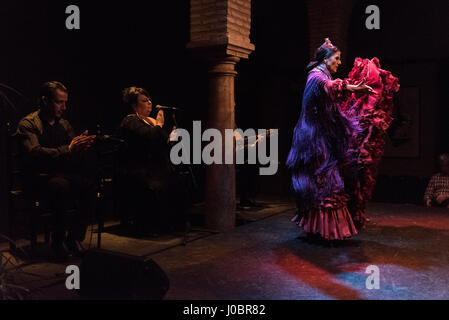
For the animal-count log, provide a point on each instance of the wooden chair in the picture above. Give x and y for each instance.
(25, 202)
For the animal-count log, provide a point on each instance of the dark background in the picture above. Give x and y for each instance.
(143, 43)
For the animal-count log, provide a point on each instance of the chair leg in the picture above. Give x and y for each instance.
(33, 237)
(12, 247)
(12, 244)
(33, 243)
(33, 222)
(47, 234)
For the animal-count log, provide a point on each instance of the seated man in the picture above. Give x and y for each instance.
(437, 192)
(51, 159)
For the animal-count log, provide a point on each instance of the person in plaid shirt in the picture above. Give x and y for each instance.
(437, 192)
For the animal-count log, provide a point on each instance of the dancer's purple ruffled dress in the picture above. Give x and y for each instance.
(337, 145)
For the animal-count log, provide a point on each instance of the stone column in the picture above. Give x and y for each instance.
(220, 179)
(220, 32)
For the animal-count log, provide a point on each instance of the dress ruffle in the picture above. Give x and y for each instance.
(330, 224)
(331, 220)
(374, 116)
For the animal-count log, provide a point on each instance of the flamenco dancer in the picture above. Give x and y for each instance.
(338, 143)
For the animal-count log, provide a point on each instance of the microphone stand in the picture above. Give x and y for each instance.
(192, 176)
(195, 185)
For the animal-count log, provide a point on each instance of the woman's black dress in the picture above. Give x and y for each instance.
(150, 185)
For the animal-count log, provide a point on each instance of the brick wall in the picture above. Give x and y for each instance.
(329, 19)
(220, 22)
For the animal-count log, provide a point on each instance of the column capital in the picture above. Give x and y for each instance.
(223, 66)
(208, 49)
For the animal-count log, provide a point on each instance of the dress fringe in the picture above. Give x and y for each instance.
(331, 224)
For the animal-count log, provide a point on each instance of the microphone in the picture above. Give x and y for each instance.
(166, 108)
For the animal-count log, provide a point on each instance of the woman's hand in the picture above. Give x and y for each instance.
(160, 119)
(173, 137)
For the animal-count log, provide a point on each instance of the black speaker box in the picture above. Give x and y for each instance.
(106, 275)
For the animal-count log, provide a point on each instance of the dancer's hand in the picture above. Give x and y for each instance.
(361, 88)
(428, 203)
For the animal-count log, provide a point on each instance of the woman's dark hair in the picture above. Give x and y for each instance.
(130, 95)
(326, 50)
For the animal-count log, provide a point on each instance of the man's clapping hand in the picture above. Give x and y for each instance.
(82, 142)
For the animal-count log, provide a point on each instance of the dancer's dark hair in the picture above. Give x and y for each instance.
(326, 50)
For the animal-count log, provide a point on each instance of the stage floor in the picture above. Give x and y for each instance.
(270, 259)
